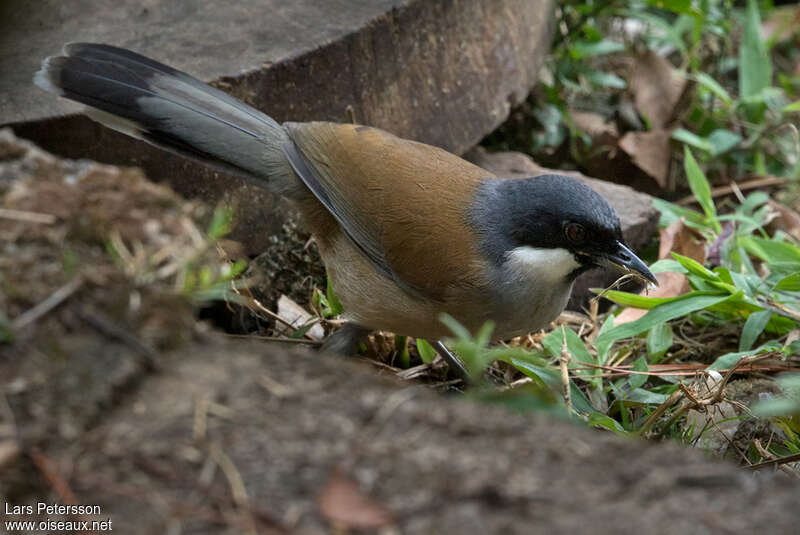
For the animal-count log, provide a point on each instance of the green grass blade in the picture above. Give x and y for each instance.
(755, 65)
(700, 187)
(657, 315)
(753, 327)
(426, 351)
(712, 85)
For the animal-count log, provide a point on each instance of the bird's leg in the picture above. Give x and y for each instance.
(346, 340)
(452, 361)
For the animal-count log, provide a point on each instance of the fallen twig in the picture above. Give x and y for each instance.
(49, 472)
(768, 455)
(55, 299)
(27, 217)
(660, 410)
(107, 328)
(795, 457)
(680, 369)
(276, 339)
(742, 186)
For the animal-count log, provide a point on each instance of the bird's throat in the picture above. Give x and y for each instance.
(542, 265)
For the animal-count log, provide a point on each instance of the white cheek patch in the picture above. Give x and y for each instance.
(541, 264)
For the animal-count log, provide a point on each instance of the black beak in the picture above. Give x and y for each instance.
(625, 259)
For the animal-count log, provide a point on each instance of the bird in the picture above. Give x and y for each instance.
(407, 231)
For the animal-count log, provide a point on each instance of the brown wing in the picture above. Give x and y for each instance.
(403, 203)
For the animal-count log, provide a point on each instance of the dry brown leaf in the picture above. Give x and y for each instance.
(781, 23)
(651, 153)
(343, 504)
(791, 337)
(786, 220)
(656, 88)
(676, 238)
(601, 130)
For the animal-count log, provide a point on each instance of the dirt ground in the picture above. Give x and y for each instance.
(113, 394)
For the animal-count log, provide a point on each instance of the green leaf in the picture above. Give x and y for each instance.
(635, 300)
(728, 360)
(699, 185)
(760, 163)
(426, 351)
(770, 250)
(534, 396)
(790, 383)
(676, 6)
(696, 268)
(221, 222)
(753, 327)
(334, 305)
(712, 85)
(692, 217)
(659, 314)
(472, 350)
(451, 323)
(646, 397)
(584, 49)
(552, 378)
(667, 265)
(776, 406)
(684, 136)
(755, 66)
(597, 419)
(402, 358)
(659, 340)
(636, 380)
(790, 283)
(794, 106)
(722, 140)
(605, 79)
(303, 329)
(554, 341)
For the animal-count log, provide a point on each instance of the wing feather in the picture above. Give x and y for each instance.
(404, 204)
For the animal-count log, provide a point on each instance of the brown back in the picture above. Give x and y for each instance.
(410, 200)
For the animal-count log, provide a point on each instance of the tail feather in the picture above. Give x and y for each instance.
(172, 110)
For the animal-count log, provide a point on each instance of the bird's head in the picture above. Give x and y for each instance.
(555, 223)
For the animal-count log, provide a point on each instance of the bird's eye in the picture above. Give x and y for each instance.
(575, 233)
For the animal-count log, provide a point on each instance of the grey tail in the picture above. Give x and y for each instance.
(172, 110)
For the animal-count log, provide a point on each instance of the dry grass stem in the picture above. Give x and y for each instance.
(42, 308)
(764, 452)
(28, 217)
(564, 365)
(795, 457)
(721, 191)
(275, 388)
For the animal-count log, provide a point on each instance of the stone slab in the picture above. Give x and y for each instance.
(638, 217)
(443, 72)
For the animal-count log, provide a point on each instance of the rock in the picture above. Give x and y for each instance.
(235, 433)
(638, 217)
(445, 73)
